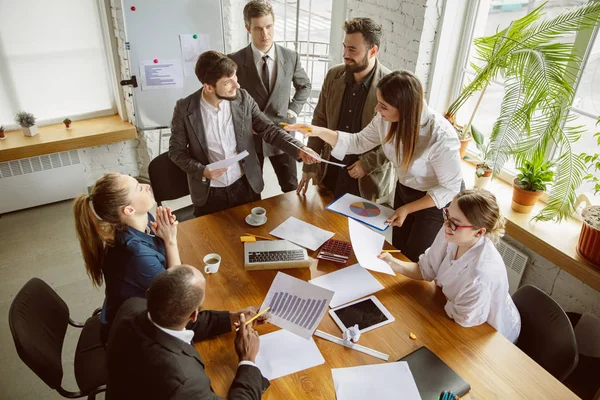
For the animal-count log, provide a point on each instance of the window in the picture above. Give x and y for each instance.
(53, 62)
(586, 105)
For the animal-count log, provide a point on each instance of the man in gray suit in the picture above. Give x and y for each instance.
(267, 71)
(217, 123)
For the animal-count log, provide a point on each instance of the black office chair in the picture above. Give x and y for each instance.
(38, 320)
(169, 182)
(583, 381)
(546, 333)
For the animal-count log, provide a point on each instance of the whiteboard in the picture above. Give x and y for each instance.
(152, 32)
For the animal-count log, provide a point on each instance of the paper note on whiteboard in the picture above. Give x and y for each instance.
(191, 48)
(367, 245)
(162, 74)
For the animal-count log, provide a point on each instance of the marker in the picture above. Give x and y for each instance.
(304, 129)
(257, 315)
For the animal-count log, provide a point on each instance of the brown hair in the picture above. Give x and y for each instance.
(403, 90)
(212, 66)
(482, 211)
(257, 9)
(370, 30)
(174, 295)
(107, 200)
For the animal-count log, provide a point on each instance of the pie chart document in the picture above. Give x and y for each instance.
(362, 210)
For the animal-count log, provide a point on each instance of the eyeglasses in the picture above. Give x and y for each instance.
(451, 224)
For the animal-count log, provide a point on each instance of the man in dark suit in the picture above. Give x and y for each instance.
(150, 349)
(267, 71)
(217, 123)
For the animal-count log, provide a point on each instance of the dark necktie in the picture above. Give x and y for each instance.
(265, 74)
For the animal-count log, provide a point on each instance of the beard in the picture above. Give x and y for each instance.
(359, 66)
(221, 97)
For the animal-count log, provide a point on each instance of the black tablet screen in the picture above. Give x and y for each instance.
(364, 313)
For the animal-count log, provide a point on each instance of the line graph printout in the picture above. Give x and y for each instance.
(296, 305)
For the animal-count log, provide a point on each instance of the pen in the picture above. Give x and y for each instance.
(306, 129)
(391, 251)
(258, 236)
(258, 315)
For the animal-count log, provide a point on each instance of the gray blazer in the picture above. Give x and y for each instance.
(288, 71)
(188, 147)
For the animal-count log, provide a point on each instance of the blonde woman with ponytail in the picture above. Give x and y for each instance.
(464, 262)
(121, 242)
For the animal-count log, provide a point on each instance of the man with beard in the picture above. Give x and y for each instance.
(347, 102)
(216, 123)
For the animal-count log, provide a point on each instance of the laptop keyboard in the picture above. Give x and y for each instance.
(275, 256)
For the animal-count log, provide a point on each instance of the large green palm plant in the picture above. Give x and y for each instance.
(539, 72)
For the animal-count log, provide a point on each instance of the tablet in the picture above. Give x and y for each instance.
(368, 313)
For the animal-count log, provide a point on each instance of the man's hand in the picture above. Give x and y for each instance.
(214, 174)
(310, 158)
(305, 182)
(246, 341)
(356, 170)
(248, 313)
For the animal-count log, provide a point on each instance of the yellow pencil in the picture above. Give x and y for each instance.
(391, 251)
(306, 129)
(258, 236)
(258, 315)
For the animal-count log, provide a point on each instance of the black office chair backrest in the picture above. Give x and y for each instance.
(168, 181)
(38, 320)
(547, 335)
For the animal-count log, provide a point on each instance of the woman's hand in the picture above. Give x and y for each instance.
(306, 129)
(165, 226)
(397, 219)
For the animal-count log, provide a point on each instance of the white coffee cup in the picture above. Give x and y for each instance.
(259, 215)
(213, 262)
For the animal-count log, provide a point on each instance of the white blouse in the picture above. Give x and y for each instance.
(475, 285)
(436, 167)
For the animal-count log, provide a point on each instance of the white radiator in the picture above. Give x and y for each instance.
(34, 181)
(515, 261)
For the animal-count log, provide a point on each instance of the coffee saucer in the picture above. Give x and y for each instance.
(249, 221)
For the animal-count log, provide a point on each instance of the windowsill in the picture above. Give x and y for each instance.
(56, 138)
(555, 242)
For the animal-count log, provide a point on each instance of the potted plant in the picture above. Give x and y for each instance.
(67, 123)
(483, 172)
(2, 135)
(534, 175)
(539, 69)
(27, 122)
(588, 245)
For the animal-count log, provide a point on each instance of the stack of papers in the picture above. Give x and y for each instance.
(348, 284)
(390, 381)
(302, 233)
(282, 353)
(367, 245)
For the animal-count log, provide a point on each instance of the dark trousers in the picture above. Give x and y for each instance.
(286, 169)
(338, 181)
(222, 198)
(419, 229)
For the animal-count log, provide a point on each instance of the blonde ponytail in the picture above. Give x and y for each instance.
(97, 217)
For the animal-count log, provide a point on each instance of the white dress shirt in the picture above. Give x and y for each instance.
(186, 336)
(435, 168)
(220, 138)
(271, 65)
(475, 285)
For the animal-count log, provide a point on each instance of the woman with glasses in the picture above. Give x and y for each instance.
(121, 243)
(422, 146)
(464, 262)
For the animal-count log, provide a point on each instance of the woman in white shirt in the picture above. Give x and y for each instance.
(465, 263)
(422, 145)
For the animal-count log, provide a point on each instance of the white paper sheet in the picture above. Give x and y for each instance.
(389, 381)
(302, 233)
(163, 74)
(296, 305)
(348, 284)
(362, 210)
(367, 245)
(319, 157)
(228, 162)
(191, 48)
(282, 353)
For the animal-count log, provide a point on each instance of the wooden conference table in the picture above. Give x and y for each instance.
(493, 366)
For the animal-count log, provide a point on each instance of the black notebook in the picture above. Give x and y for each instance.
(433, 376)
